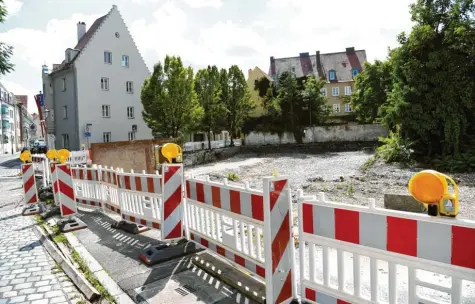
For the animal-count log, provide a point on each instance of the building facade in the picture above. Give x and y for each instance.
(7, 121)
(97, 87)
(337, 69)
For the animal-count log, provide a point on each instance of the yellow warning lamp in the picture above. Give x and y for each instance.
(432, 188)
(52, 154)
(25, 156)
(63, 155)
(172, 152)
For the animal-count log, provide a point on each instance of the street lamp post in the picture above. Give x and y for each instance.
(46, 128)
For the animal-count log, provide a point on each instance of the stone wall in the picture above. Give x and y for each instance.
(203, 157)
(344, 133)
(136, 155)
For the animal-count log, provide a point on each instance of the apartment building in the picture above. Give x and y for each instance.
(337, 69)
(94, 94)
(8, 143)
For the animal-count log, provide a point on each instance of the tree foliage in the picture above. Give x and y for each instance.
(292, 104)
(208, 89)
(430, 97)
(6, 51)
(169, 100)
(236, 97)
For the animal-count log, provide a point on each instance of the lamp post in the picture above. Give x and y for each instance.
(46, 128)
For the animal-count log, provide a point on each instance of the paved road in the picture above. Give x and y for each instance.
(27, 272)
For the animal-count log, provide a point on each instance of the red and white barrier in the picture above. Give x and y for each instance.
(29, 184)
(139, 197)
(173, 204)
(234, 222)
(64, 189)
(444, 247)
(87, 187)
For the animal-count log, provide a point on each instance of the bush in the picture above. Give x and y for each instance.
(394, 148)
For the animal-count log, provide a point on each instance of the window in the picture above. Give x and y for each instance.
(131, 136)
(11, 114)
(347, 90)
(354, 72)
(293, 69)
(336, 108)
(332, 75)
(323, 91)
(107, 57)
(63, 84)
(336, 91)
(106, 136)
(65, 112)
(348, 108)
(129, 87)
(65, 140)
(130, 112)
(125, 61)
(105, 84)
(106, 111)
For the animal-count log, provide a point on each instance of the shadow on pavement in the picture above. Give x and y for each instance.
(10, 217)
(11, 163)
(118, 252)
(30, 246)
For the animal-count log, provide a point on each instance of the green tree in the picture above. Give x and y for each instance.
(169, 100)
(293, 104)
(207, 87)
(371, 91)
(6, 51)
(433, 94)
(236, 97)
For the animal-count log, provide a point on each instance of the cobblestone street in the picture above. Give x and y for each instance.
(27, 272)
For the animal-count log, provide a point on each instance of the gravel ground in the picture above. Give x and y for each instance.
(339, 175)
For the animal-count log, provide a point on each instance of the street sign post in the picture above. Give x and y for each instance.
(87, 132)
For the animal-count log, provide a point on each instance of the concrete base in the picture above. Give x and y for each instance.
(161, 253)
(403, 203)
(72, 224)
(33, 209)
(51, 211)
(218, 268)
(130, 227)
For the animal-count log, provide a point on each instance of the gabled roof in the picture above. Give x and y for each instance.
(82, 43)
(343, 63)
(264, 74)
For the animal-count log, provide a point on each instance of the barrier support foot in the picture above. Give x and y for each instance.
(71, 224)
(33, 209)
(51, 211)
(129, 227)
(162, 252)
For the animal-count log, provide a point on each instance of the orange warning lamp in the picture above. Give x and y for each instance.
(172, 152)
(432, 188)
(52, 154)
(25, 156)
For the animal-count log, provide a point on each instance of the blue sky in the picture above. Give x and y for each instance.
(202, 32)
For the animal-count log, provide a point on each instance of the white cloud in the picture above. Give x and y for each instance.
(39, 47)
(13, 7)
(211, 44)
(204, 3)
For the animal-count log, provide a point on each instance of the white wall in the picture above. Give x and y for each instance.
(369, 132)
(91, 67)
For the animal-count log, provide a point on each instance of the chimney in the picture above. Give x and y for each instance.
(81, 29)
(318, 61)
(350, 50)
(272, 66)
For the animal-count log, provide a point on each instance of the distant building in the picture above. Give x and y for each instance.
(338, 69)
(8, 142)
(253, 75)
(97, 86)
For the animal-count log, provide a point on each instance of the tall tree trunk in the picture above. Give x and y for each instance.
(209, 139)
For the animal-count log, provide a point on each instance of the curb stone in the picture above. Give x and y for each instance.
(109, 284)
(79, 280)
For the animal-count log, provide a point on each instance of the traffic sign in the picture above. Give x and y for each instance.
(87, 134)
(42, 100)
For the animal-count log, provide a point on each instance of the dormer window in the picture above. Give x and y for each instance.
(332, 75)
(354, 72)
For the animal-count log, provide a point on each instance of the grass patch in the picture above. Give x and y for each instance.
(350, 190)
(39, 220)
(90, 276)
(233, 177)
(369, 163)
(58, 236)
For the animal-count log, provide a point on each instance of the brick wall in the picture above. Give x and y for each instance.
(136, 155)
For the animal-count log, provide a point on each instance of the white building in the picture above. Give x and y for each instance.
(7, 122)
(97, 86)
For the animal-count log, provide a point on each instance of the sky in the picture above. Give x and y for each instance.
(202, 32)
